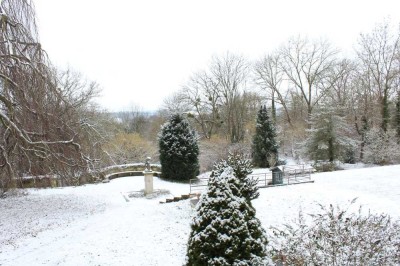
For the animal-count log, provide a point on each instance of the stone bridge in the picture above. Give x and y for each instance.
(134, 169)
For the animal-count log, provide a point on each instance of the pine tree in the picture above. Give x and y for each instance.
(225, 230)
(264, 145)
(178, 150)
(241, 169)
(329, 137)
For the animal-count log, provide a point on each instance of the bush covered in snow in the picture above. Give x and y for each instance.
(225, 230)
(178, 150)
(381, 147)
(338, 237)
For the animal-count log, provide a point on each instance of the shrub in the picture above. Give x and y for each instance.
(349, 156)
(338, 237)
(212, 150)
(126, 148)
(381, 147)
(324, 166)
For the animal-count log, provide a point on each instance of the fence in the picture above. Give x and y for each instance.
(198, 185)
(291, 174)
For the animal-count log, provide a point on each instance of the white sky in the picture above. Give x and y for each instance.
(142, 51)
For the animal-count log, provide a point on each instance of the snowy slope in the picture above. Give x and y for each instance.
(95, 225)
(377, 189)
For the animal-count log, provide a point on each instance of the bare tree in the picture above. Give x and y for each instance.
(378, 53)
(134, 120)
(217, 97)
(270, 76)
(230, 73)
(202, 94)
(38, 118)
(176, 103)
(341, 79)
(306, 65)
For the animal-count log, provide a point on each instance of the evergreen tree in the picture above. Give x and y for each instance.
(241, 169)
(329, 137)
(178, 150)
(264, 146)
(225, 230)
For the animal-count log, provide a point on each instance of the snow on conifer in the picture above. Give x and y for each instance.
(241, 169)
(225, 230)
(264, 148)
(178, 149)
(330, 137)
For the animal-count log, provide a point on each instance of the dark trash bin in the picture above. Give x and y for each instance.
(277, 176)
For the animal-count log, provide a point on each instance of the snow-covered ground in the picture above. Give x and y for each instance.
(96, 225)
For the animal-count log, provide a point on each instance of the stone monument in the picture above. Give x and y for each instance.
(148, 177)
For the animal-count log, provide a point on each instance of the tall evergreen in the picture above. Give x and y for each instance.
(225, 230)
(328, 139)
(178, 149)
(264, 145)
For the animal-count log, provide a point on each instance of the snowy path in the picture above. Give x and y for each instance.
(94, 225)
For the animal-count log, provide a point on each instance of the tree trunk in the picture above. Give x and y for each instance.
(385, 111)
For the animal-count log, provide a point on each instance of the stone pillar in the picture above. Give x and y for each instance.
(148, 182)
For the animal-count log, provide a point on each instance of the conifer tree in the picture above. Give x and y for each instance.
(178, 149)
(264, 145)
(329, 137)
(241, 169)
(225, 230)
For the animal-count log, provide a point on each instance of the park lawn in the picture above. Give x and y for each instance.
(96, 225)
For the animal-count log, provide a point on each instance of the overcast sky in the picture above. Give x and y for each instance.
(142, 51)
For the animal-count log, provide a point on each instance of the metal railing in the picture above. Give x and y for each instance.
(263, 179)
(292, 174)
(197, 185)
(297, 173)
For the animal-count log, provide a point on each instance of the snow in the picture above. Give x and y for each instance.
(95, 225)
(129, 165)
